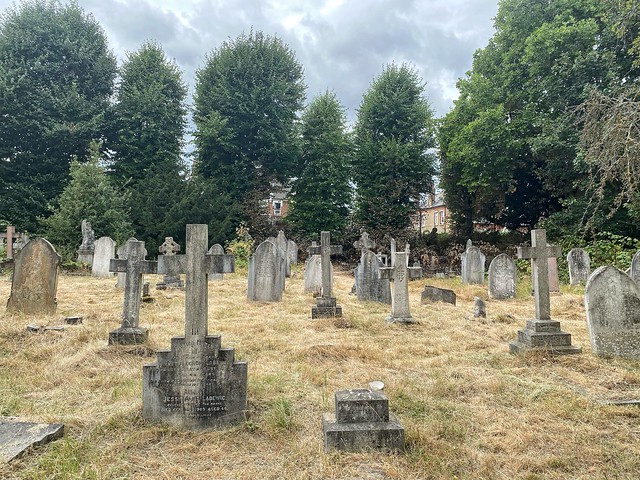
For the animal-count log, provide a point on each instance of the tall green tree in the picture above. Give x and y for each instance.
(147, 130)
(56, 78)
(247, 99)
(392, 164)
(322, 194)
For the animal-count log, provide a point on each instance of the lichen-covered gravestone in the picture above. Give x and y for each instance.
(216, 249)
(502, 277)
(473, 261)
(369, 285)
(104, 251)
(35, 279)
(579, 266)
(266, 275)
(612, 302)
(197, 384)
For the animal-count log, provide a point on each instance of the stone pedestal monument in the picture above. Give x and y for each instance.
(85, 250)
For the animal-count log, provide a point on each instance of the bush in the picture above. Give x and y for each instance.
(241, 246)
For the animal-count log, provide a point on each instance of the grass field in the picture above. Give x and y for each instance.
(470, 409)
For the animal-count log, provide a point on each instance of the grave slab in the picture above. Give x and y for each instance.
(16, 437)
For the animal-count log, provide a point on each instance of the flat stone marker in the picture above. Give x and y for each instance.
(369, 285)
(134, 266)
(35, 279)
(542, 333)
(168, 248)
(326, 305)
(266, 275)
(16, 437)
(579, 266)
(362, 421)
(197, 384)
(216, 249)
(122, 253)
(502, 277)
(473, 261)
(435, 294)
(634, 272)
(400, 275)
(612, 303)
(104, 251)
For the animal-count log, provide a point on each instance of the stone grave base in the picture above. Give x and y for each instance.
(326, 308)
(392, 319)
(544, 335)
(16, 437)
(128, 336)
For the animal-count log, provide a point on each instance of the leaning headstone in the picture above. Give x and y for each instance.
(542, 333)
(216, 249)
(635, 267)
(435, 294)
(362, 422)
(197, 384)
(123, 253)
(473, 261)
(86, 248)
(104, 251)
(133, 266)
(369, 285)
(169, 247)
(400, 274)
(502, 277)
(579, 266)
(35, 279)
(266, 275)
(612, 302)
(16, 437)
(479, 308)
(326, 304)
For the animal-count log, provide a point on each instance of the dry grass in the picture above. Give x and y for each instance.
(470, 409)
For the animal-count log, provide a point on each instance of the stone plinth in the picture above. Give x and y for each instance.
(545, 335)
(362, 421)
(325, 308)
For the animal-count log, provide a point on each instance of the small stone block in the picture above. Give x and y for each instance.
(16, 437)
(356, 437)
(32, 327)
(543, 325)
(544, 339)
(73, 320)
(518, 347)
(326, 312)
(361, 406)
(128, 336)
(324, 302)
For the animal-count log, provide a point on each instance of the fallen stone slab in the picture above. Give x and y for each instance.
(16, 436)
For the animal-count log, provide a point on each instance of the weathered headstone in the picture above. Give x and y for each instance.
(554, 279)
(216, 249)
(292, 252)
(400, 275)
(502, 277)
(11, 231)
(197, 384)
(473, 261)
(168, 248)
(104, 251)
(266, 275)
(435, 294)
(364, 244)
(16, 437)
(326, 305)
(313, 274)
(542, 333)
(479, 308)
(612, 302)
(281, 262)
(579, 266)
(362, 421)
(133, 266)
(86, 248)
(35, 279)
(123, 253)
(369, 285)
(635, 267)
(282, 243)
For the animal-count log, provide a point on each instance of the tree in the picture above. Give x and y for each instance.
(89, 195)
(56, 77)
(322, 194)
(247, 98)
(392, 165)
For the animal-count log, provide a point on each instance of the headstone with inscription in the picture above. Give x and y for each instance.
(326, 304)
(400, 275)
(123, 253)
(502, 277)
(579, 266)
(266, 275)
(169, 247)
(104, 251)
(216, 249)
(369, 285)
(35, 279)
(473, 261)
(612, 303)
(197, 384)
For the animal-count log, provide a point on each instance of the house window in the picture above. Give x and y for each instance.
(277, 208)
(442, 217)
(435, 218)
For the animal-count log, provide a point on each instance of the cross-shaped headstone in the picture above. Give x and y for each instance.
(364, 244)
(325, 250)
(539, 253)
(169, 247)
(407, 250)
(400, 274)
(197, 264)
(134, 266)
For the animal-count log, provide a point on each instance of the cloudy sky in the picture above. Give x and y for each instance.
(342, 44)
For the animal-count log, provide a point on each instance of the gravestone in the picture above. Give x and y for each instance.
(122, 253)
(362, 422)
(104, 251)
(292, 252)
(281, 262)
(20, 242)
(435, 294)
(612, 303)
(35, 279)
(635, 267)
(282, 243)
(473, 261)
(369, 285)
(197, 384)
(364, 244)
(266, 275)
(86, 248)
(502, 277)
(479, 308)
(554, 279)
(400, 275)
(579, 266)
(542, 333)
(392, 248)
(313, 274)
(16, 437)
(326, 305)
(133, 266)
(216, 249)
(168, 248)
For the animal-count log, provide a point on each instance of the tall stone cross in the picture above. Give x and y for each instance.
(400, 273)
(197, 264)
(539, 253)
(364, 244)
(134, 266)
(325, 250)
(407, 250)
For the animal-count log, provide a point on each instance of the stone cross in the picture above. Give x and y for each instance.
(400, 273)
(539, 253)
(197, 264)
(325, 250)
(169, 247)
(134, 266)
(364, 244)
